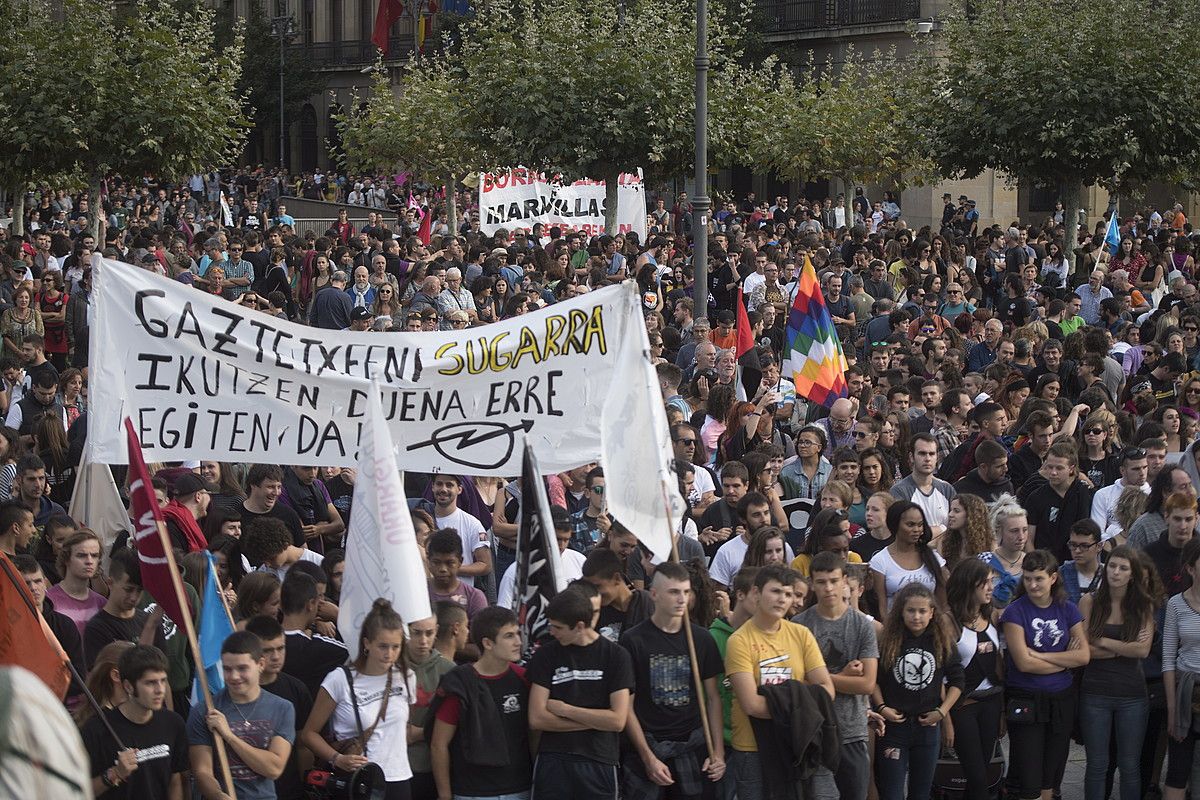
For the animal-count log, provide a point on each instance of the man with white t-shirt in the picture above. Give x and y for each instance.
(1133, 466)
(755, 511)
(477, 552)
(932, 494)
(572, 560)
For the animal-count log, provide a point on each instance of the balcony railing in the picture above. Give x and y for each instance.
(789, 16)
(353, 54)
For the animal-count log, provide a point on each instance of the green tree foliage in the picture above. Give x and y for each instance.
(1063, 94)
(149, 92)
(851, 120)
(426, 130)
(576, 87)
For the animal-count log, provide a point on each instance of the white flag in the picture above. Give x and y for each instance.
(96, 503)
(382, 557)
(635, 443)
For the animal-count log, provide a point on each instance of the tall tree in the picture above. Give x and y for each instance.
(850, 120)
(162, 99)
(1063, 95)
(427, 130)
(38, 108)
(583, 88)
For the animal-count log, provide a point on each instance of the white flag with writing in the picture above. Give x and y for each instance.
(636, 445)
(382, 557)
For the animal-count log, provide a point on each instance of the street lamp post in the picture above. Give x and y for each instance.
(283, 29)
(701, 203)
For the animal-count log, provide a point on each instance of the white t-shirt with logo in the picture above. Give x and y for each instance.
(473, 536)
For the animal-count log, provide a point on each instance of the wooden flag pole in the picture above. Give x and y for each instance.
(193, 643)
(701, 700)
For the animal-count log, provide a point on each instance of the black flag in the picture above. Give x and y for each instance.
(539, 566)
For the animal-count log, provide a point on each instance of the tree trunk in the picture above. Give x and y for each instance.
(97, 212)
(849, 201)
(18, 223)
(1071, 213)
(612, 182)
(452, 205)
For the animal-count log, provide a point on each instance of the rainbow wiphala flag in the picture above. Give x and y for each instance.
(813, 352)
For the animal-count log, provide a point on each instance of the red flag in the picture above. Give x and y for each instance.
(149, 532)
(25, 638)
(745, 334)
(389, 11)
(425, 232)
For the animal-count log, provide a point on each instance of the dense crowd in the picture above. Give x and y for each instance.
(985, 550)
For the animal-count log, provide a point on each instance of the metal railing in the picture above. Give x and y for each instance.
(355, 53)
(783, 16)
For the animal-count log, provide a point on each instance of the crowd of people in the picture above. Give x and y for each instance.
(986, 550)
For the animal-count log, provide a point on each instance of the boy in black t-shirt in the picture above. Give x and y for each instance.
(579, 700)
(620, 606)
(666, 726)
(475, 705)
(156, 757)
(120, 620)
(280, 684)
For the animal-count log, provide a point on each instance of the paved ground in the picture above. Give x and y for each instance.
(1073, 778)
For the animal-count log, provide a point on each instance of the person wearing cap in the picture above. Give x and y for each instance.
(360, 320)
(190, 497)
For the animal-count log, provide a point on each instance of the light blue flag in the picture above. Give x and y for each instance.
(1112, 236)
(213, 628)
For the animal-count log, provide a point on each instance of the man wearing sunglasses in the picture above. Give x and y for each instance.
(591, 523)
(239, 273)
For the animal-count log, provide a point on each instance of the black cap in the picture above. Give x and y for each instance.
(359, 314)
(726, 317)
(190, 483)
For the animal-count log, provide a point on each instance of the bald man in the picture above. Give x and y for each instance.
(838, 426)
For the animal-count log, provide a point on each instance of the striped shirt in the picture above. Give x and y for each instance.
(1181, 637)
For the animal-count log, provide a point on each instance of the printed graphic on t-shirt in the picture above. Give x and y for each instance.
(154, 753)
(511, 704)
(670, 680)
(257, 734)
(1046, 632)
(568, 675)
(611, 631)
(772, 671)
(914, 669)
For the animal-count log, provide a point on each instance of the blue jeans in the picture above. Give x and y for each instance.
(1098, 717)
(908, 750)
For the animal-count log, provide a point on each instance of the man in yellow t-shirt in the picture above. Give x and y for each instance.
(767, 650)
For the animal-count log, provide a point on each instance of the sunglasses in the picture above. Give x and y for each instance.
(598, 489)
(1094, 431)
(861, 434)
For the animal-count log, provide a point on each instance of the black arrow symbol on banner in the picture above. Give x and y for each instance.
(466, 435)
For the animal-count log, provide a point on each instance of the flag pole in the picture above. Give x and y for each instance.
(193, 644)
(701, 700)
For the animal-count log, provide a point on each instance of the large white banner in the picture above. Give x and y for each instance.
(518, 198)
(203, 378)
